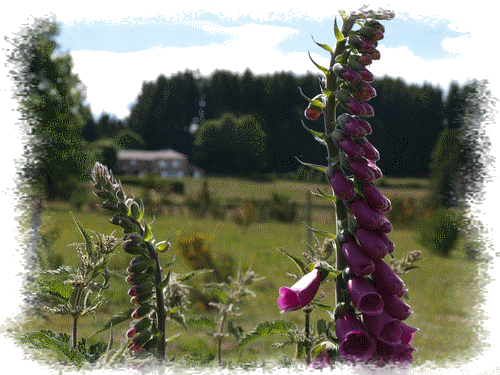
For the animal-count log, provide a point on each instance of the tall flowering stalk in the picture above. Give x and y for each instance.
(369, 310)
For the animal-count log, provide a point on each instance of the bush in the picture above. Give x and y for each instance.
(440, 232)
(282, 209)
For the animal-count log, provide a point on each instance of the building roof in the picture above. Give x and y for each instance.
(150, 155)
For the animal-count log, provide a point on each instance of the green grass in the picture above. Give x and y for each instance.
(447, 328)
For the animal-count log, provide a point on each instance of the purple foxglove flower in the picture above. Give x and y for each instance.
(371, 152)
(370, 33)
(366, 75)
(387, 281)
(395, 306)
(355, 343)
(351, 148)
(375, 198)
(364, 91)
(386, 226)
(364, 296)
(301, 293)
(375, 55)
(388, 242)
(383, 327)
(375, 24)
(367, 217)
(359, 264)
(369, 112)
(371, 243)
(350, 103)
(360, 44)
(351, 125)
(321, 361)
(376, 170)
(365, 125)
(407, 334)
(342, 187)
(361, 170)
(346, 73)
(312, 113)
(395, 353)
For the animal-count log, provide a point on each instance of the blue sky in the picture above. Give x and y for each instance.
(115, 49)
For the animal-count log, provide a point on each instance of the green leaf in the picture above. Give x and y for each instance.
(322, 68)
(324, 46)
(114, 320)
(322, 232)
(314, 166)
(328, 197)
(162, 246)
(315, 102)
(320, 137)
(299, 263)
(174, 336)
(49, 340)
(147, 233)
(165, 281)
(336, 31)
(55, 288)
(236, 331)
(188, 275)
(89, 245)
(201, 322)
(267, 328)
(343, 14)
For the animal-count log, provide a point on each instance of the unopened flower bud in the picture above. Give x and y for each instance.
(141, 311)
(351, 124)
(372, 244)
(138, 327)
(371, 34)
(137, 278)
(346, 144)
(361, 170)
(375, 24)
(346, 73)
(371, 152)
(362, 90)
(350, 103)
(143, 298)
(366, 75)
(366, 216)
(359, 61)
(375, 55)
(341, 186)
(375, 198)
(376, 170)
(369, 112)
(137, 267)
(360, 44)
(139, 341)
(141, 289)
(312, 112)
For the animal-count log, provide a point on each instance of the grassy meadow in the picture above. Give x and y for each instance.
(440, 292)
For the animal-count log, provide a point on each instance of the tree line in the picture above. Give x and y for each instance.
(226, 123)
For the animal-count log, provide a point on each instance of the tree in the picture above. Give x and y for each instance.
(51, 102)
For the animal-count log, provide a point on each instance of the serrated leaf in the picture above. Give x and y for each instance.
(322, 68)
(299, 263)
(314, 166)
(267, 328)
(48, 340)
(236, 331)
(89, 245)
(336, 31)
(201, 322)
(114, 320)
(326, 47)
(55, 288)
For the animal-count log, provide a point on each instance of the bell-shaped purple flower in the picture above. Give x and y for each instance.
(395, 353)
(375, 55)
(371, 152)
(364, 296)
(361, 169)
(350, 103)
(351, 148)
(355, 343)
(351, 125)
(376, 170)
(341, 186)
(387, 241)
(386, 226)
(387, 280)
(369, 112)
(365, 125)
(366, 75)
(360, 44)
(407, 333)
(301, 293)
(395, 306)
(375, 198)
(371, 243)
(346, 73)
(359, 264)
(383, 327)
(366, 216)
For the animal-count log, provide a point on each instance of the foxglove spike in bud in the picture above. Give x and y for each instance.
(301, 293)
(312, 112)
(346, 73)
(359, 264)
(371, 152)
(350, 124)
(366, 216)
(341, 186)
(355, 343)
(375, 198)
(371, 243)
(350, 103)
(360, 44)
(364, 296)
(383, 327)
(362, 90)
(371, 34)
(386, 279)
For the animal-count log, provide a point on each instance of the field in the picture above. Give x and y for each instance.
(447, 329)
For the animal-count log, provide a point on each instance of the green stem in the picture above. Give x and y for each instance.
(75, 331)
(307, 332)
(219, 339)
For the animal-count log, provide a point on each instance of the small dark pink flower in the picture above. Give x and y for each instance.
(371, 152)
(346, 73)
(386, 226)
(363, 91)
(387, 241)
(387, 280)
(359, 264)
(301, 293)
(131, 332)
(407, 333)
(371, 243)
(342, 187)
(366, 216)
(312, 113)
(375, 198)
(364, 296)
(383, 327)
(355, 343)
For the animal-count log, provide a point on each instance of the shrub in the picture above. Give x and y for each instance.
(440, 232)
(282, 209)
